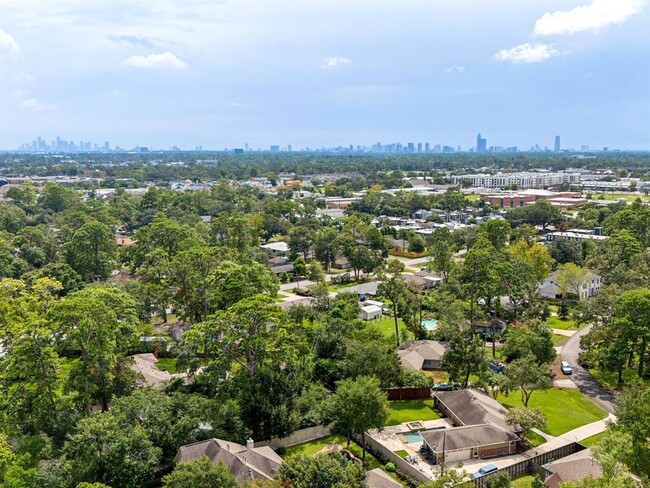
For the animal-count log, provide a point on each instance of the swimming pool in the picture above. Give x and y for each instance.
(429, 324)
(412, 437)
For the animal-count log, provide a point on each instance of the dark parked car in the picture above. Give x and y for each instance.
(497, 368)
(442, 387)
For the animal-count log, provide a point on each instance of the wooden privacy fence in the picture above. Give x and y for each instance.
(408, 393)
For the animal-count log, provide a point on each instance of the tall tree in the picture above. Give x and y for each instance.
(441, 252)
(393, 287)
(101, 323)
(465, 354)
(527, 375)
(92, 250)
(632, 311)
(357, 406)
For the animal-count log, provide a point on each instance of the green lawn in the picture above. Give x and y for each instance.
(609, 379)
(387, 326)
(473, 197)
(523, 482)
(167, 364)
(615, 196)
(558, 339)
(535, 439)
(410, 410)
(558, 323)
(311, 448)
(565, 410)
(590, 441)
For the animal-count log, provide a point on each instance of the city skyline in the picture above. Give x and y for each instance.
(219, 74)
(62, 145)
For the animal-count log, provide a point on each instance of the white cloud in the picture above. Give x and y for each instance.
(597, 15)
(455, 68)
(8, 45)
(34, 105)
(153, 61)
(527, 53)
(334, 62)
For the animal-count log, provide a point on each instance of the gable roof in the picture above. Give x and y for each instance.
(473, 407)
(412, 354)
(145, 364)
(376, 478)
(466, 437)
(242, 462)
(571, 468)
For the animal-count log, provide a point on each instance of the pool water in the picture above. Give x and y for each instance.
(429, 324)
(412, 437)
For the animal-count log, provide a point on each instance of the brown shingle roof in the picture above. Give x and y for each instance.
(242, 462)
(466, 437)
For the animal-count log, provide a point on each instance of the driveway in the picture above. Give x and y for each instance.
(582, 377)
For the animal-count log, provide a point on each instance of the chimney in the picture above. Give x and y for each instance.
(250, 443)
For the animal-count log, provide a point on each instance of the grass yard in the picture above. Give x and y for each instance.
(535, 439)
(523, 482)
(559, 340)
(410, 410)
(630, 197)
(312, 448)
(558, 323)
(167, 364)
(387, 326)
(565, 410)
(590, 441)
(609, 379)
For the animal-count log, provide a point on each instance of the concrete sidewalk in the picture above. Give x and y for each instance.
(563, 332)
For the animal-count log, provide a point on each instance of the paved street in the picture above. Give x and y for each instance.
(581, 376)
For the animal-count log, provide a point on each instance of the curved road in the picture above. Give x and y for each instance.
(582, 377)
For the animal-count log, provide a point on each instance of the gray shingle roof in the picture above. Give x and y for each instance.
(376, 478)
(473, 407)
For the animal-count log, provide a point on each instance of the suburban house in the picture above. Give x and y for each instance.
(245, 463)
(550, 288)
(571, 468)
(421, 355)
(145, 365)
(422, 280)
(480, 430)
(280, 264)
(341, 262)
(469, 442)
(369, 312)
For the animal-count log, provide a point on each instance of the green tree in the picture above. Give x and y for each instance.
(527, 375)
(632, 410)
(479, 273)
(357, 406)
(392, 287)
(571, 279)
(566, 251)
(199, 473)
(315, 272)
(58, 198)
(526, 419)
(101, 323)
(632, 312)
(441, 253)
(326, 246)
(321, 471)
(91, 251)
(534, 337)
(102, 450)
(465, 354)
(498, 480)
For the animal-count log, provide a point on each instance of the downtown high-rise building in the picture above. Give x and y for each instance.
(481, 144)
(557, 144)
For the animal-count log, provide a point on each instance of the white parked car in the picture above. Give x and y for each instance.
(566, 367)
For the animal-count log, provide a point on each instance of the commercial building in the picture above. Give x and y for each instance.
(523, 180)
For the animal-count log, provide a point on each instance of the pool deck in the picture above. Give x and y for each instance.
(391, 438)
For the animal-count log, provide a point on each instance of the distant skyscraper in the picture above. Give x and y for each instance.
(427, 147)
(419, 147)
(275, 148)
(481, 144)
(557, 143)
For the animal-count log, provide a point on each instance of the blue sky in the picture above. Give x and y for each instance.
(326, 72)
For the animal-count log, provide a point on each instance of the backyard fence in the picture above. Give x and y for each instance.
(408, 393)
(298, 437)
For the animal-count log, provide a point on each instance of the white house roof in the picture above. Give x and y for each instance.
(280, 246)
